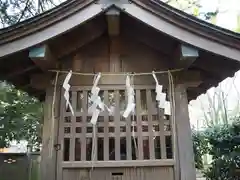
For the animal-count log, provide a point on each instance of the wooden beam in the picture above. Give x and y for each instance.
(19, 71)
(113, 21)
(184, 56)
(40, 81)
(43, 57)
(184, 146)
(77, 38)
(190, 78)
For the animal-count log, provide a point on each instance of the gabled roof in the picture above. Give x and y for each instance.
(223, 45)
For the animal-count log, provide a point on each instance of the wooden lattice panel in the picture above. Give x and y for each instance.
(146, 135)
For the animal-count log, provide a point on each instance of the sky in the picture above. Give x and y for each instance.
(227, 18)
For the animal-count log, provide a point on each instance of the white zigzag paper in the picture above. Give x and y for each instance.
(66, 86)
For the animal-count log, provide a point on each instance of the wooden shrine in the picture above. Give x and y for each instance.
(116, 38)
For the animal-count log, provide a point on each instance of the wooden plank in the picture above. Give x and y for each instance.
(150, 124)
(84, 127)
(139, 125)
(128, 125)
(183, 135)
(117, 126)
(122, 134)
(106, 137)
(105, 164)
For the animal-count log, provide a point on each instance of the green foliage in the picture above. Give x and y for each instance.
(199, 147)
(20, 117)
(223, 144)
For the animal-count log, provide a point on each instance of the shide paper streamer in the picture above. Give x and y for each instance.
(130, 94)
(97, 104)
(161, 97)
(67, 86)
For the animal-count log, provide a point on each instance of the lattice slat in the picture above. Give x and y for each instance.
(117, 127)
(106, 124)
(84, 130)
(128, 124)
(150, 124)
(115, 140)
(139, 125)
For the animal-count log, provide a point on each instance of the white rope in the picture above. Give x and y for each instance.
(118, 74)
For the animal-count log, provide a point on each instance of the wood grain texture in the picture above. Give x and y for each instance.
(183, 135)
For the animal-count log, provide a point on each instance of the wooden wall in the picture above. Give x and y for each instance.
(120, 54)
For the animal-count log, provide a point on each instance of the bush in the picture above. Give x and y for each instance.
(223, 144)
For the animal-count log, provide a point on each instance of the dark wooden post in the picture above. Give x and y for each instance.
(184, 146)
(49, 139)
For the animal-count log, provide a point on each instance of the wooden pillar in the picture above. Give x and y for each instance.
(185, 165)
(49, 137)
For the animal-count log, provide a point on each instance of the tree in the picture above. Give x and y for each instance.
(20, 114)
(14, 11)
(20, 117)
(222, 143)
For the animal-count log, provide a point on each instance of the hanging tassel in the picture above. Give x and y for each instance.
(66, 86)
(130, 94)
